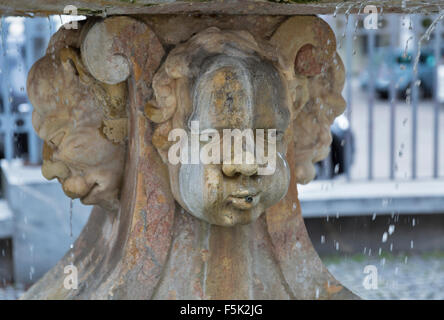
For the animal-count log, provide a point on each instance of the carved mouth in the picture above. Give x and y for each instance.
(244, 199)
(84, 198)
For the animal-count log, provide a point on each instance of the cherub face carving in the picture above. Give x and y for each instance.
(229, 80)
(83, 133)
(234, 93)
(233, 88)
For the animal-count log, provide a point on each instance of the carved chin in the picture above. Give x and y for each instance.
(231, 215)
(91, 196)
(76, 187)
(88, 193)
(206, 195)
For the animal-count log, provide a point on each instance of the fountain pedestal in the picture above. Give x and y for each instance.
(106, 97)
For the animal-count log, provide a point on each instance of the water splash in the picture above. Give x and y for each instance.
(347, 15)
(339, 6)
(426, 36)
(406, 49)
(50, 26)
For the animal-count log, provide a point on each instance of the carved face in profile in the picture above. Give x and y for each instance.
(81, 147)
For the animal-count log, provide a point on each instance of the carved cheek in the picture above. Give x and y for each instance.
(87, 148)
(191, 188)
(213, 184)
(284, 179)
(201, 188)
(278, 183)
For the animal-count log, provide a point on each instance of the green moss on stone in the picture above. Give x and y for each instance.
(294, 1)
(88, 12)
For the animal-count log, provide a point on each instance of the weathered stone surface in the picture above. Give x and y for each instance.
(264, 7)
(212, 231)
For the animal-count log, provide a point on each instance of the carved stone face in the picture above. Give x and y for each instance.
(234, 93)
(230, 80)
(70, 119)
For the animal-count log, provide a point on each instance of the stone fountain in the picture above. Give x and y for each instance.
(106, 97)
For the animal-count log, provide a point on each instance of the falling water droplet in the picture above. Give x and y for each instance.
(71, 202)
(71, 205)
(391, 229)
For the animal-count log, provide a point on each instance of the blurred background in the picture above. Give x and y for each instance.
(377, 200)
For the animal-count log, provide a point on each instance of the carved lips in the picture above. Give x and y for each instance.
(244, 199)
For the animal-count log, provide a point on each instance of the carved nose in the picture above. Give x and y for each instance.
(246, 168)
(54, 169)
(243, 169)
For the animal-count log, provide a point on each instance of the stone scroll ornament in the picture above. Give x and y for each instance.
(107, 96)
